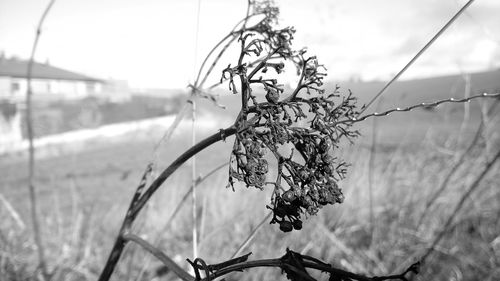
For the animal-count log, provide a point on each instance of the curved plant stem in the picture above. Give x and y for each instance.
(181, 273)
(279, 262)
(199, 181)
(178, 162)
(137, 205)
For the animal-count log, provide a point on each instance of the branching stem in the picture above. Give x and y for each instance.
(137, 206)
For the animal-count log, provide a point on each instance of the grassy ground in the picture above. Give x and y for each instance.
(84, 196)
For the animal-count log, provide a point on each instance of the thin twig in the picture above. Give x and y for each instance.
(186, 195)
(466, 117)
(168, 262)
(371, 170)
(193, 180)
(10, 209)
(170, 131)
(251, 236)
(454, 169)
(31, 168)
(163, 229)
(440, 32)
(194, 210)
(460, 204)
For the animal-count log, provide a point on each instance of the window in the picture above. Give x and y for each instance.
(15, 86)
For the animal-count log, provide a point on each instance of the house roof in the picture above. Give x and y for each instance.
(18, 68)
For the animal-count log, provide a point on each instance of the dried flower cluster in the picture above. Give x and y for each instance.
(299, 127)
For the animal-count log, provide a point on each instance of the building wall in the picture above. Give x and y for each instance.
(15, 88)
(5, 87)
(10, 124)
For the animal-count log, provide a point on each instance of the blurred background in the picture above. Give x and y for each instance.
(110, 76)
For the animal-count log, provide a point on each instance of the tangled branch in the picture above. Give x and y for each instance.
(293, 264)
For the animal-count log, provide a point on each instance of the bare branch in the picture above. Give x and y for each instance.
(31, 177)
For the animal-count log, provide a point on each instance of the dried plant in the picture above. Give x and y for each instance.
(298, 127)
(292, 131)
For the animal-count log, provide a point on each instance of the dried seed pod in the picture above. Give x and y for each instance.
(297, 224)
(272, 95)
(324, 145)
(286, 226)
(279, 211)
(289, 196)
(251, 179)
(304, 174)
(327, 158)
(262, 166)
(260, 180)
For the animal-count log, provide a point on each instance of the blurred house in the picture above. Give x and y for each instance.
(55, 91)
(48, 82)
(10, 124)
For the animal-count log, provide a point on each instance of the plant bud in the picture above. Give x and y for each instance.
(297, 224)
(324, 145)
(272, 96)
(286, 226)
(289, 196)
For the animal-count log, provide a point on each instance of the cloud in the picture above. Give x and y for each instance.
(153, 42)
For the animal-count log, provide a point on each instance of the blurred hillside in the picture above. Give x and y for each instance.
(398, 127)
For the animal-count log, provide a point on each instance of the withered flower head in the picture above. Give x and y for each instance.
(296, 130)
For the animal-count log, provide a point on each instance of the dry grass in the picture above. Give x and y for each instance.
(84, 196)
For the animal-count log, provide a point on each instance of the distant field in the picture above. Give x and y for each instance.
(84, 195)
(62, 116)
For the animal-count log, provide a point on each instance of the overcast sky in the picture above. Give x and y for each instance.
(153, 43)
